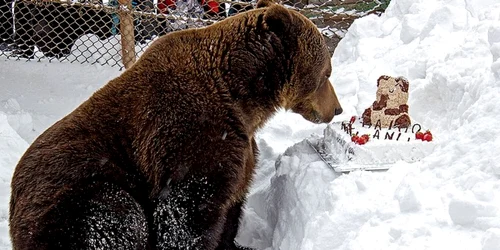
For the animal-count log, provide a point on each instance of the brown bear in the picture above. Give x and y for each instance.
(162, 156)
(390, 108)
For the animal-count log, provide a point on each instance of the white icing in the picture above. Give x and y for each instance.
(338, 149)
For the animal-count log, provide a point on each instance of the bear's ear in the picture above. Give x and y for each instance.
(277, 18)
(383, 77)
(403, 83)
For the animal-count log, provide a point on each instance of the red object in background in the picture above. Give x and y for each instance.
(164, 5)
(213, 5)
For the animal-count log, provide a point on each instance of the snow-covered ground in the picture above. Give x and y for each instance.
(450, 52)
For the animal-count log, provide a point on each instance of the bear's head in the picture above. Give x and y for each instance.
(395, 90)
(308, 91)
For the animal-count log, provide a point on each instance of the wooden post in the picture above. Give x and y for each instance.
(127, 33)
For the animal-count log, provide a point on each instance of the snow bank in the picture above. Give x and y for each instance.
(37, 94)
(450, 52)
(11, 147)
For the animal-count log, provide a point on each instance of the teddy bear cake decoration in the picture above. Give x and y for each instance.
(390, 108)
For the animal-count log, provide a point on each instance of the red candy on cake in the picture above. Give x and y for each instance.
(419, 135)
(427, 136)
(362, 140)
(354, 138)
(366, 137)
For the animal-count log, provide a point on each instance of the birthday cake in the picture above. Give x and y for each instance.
(383, 135)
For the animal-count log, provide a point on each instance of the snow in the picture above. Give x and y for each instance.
(11, 147)
(450, 52)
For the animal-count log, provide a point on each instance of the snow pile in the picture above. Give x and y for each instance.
(11, 147)
(450, 52)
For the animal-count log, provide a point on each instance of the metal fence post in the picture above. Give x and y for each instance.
(127, 33)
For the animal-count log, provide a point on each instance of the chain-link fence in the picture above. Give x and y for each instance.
(115, 32)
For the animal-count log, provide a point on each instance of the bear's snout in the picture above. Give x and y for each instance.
(321, 106)
(327, 103)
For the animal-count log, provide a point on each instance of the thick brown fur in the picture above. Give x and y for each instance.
(162, 156)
